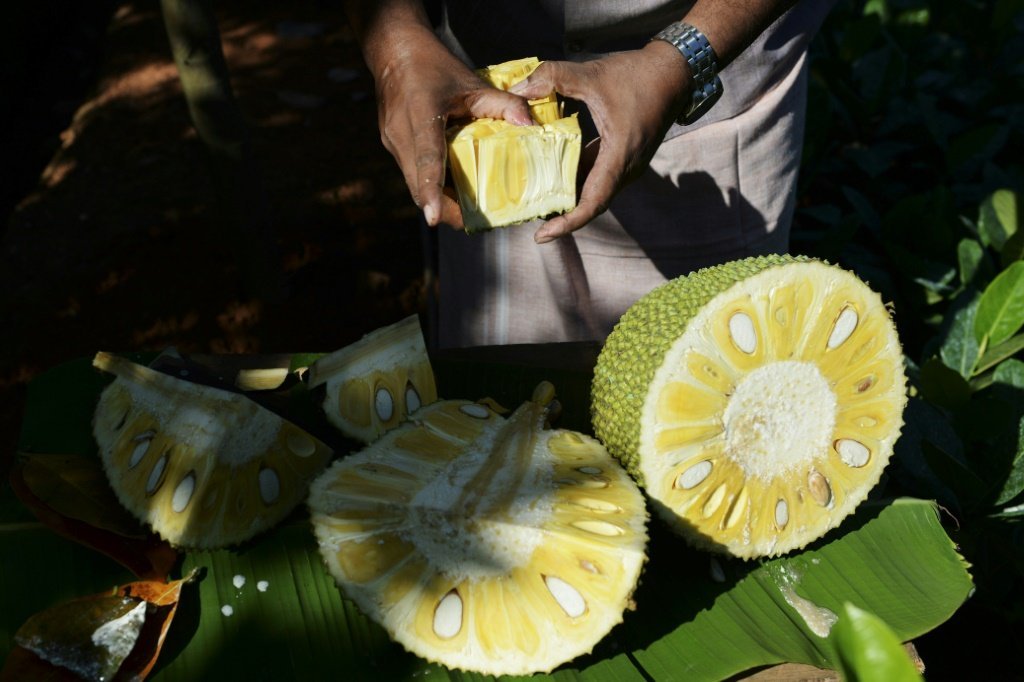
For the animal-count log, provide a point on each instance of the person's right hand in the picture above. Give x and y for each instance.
(418, 90)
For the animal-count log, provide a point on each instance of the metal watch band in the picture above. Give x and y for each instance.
(698, 52)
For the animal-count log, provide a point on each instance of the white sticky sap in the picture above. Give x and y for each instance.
(227, 610)
(818, 619)
(262, 585)
(239, 581)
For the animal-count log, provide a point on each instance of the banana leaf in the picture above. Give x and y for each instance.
(268, 609)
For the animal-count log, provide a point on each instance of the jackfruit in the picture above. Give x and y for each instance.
(481, 543)
(506, 174)
(204, 467)
(374, 384)
(756, 401)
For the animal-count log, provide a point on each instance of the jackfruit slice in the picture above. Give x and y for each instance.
(204, 467)
(374, 384)
(481, 543)
(506, 174)
(757, 401)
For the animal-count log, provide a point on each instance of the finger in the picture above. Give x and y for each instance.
(597, 193)
(561, 77)
(451, 212)
(428, 157)
(495, 103)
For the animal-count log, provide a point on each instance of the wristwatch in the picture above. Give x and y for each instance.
(703, 65)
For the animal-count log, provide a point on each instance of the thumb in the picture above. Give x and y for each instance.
(494, 103)
(549, 77)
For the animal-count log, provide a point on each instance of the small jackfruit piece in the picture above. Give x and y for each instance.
(757, 401)
(204, 467)
(503, 76)
(374, 384)
(506, 174)
(488, 544)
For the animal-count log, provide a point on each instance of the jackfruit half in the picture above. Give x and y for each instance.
(757, 401)
(481, 543)
(374, 384)
(203, 467)
(506, 174)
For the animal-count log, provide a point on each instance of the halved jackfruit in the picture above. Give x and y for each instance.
(374, 384)
(482, 543)
(506, 174)
(203, 467)
(757, 401)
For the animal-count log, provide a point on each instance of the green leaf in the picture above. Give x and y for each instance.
(878, 7)
(996, 354)
(960, 348)
(1013, 249)
(865, 211)
(1014, 484)
(771, 613)
(1001, 308)
(869, 649)
(969, 256)
(1011, 373)
(944, 386)
(970, 149)
(998, 218)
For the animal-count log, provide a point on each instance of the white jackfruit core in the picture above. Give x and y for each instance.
(489, 542)
(780, 418)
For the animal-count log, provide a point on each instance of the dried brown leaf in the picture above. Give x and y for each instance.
(71, 495)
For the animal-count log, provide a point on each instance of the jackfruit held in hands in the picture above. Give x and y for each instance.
(506, 174)
(483, 543)
(204, 467)
(757, 401)
(374, 384)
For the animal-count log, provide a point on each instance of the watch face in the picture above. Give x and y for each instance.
(703, 99)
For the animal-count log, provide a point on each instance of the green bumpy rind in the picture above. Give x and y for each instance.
(637, 346)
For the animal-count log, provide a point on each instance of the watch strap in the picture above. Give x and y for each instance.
(699, 54)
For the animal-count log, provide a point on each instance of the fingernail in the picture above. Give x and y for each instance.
(542, 236)
(430, 214)
(520, 86)
(522, 120)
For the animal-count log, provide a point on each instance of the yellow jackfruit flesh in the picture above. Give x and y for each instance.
(506, 174)
(204, 467)
(487, 544)
(373, 385)
(757, 401)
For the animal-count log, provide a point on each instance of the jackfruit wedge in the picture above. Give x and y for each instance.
(374, 384)
(487, 544)
(757, 401)
(204, 467)
(506, 174)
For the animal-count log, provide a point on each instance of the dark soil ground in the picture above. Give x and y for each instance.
(114, 239)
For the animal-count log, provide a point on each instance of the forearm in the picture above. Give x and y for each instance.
(390, 31)
(732, 25)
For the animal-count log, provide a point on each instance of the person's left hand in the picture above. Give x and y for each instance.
(633, 98)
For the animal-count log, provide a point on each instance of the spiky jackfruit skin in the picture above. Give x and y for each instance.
(757, 402)
(634, 350)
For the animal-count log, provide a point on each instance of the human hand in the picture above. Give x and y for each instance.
(633, 98)
(417, 92)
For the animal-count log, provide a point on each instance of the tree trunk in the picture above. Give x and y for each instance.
(196, 46)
